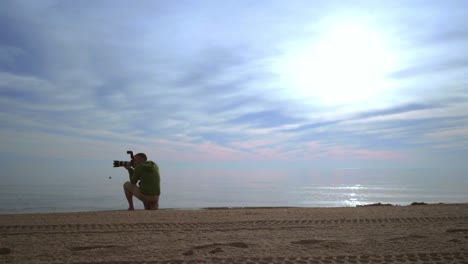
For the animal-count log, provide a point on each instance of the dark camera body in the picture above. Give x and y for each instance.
(118, 163)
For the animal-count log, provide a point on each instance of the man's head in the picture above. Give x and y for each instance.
(139, 158)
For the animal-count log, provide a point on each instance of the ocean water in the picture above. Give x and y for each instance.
(188, 190)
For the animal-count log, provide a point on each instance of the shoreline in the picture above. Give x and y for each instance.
(239, 207)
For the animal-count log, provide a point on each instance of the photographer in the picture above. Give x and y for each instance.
(144, 183)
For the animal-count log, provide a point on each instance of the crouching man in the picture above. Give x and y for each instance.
(144, 183)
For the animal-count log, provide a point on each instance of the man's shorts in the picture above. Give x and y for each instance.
(133, 189)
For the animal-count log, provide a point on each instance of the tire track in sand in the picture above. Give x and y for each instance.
(218, 226)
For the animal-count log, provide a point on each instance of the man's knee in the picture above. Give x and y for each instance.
(127, 186)
(153, 205)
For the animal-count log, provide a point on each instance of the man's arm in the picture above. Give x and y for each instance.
(130, 173)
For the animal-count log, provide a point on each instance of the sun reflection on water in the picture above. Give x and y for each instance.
(354, 198)
(339, 195)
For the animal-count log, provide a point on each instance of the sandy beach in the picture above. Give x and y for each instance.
(372, 234)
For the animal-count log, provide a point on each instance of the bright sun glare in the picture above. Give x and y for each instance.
(347, 64)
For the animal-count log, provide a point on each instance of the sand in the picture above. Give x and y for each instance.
(374, 234)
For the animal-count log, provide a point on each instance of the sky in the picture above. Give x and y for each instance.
(232, 84)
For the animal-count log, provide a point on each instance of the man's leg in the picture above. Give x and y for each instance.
(129, 196)
(153, 206)
(152, 203)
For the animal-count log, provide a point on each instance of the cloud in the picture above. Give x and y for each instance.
(271, 118)
(455, 138)
(432, 68)
(396, 110)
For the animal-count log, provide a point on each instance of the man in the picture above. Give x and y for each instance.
(146, 175)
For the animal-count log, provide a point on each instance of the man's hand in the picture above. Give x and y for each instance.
(130, 172)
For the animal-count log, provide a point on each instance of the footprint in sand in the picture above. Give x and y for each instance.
(90, 248)
(233, 244)
(217, 247)
(5, 251)
(216, 250)
(308, 242)
(406, 238)
(460, 230)
(328, 244)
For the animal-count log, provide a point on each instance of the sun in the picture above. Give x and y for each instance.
(347, 63)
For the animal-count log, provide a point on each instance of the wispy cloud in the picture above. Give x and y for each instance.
(431, 68)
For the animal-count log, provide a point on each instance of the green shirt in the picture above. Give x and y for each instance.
(148, 174)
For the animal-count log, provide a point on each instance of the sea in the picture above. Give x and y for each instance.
(349, 187)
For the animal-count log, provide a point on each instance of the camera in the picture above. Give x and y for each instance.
(118, 163)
